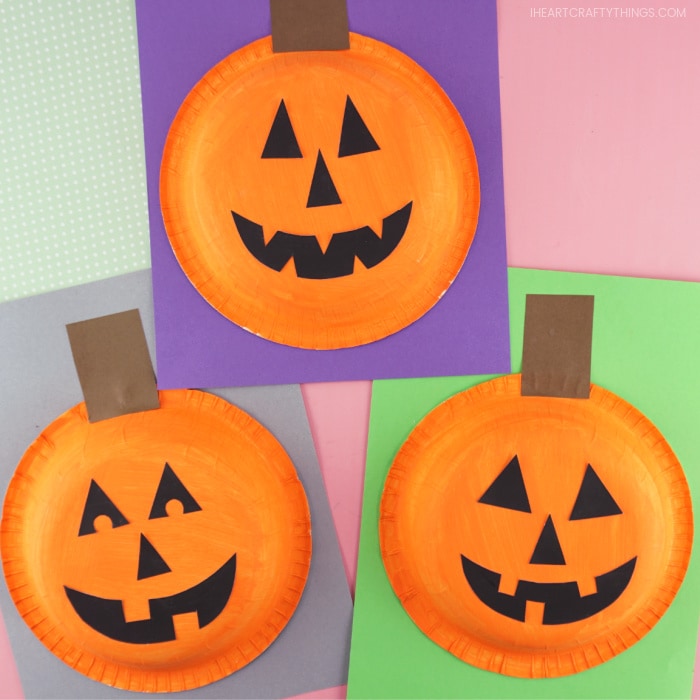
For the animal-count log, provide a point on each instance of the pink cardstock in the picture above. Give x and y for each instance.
(338, 693)
(338, 414)
(601, 148)
(10, 687)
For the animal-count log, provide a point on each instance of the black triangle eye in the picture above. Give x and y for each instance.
(593, 500)
(96, 504)
(355, 137)
(172, 489)
(281, 141)
(508, 489)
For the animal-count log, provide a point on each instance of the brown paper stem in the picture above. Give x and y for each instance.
(557, 346)
(114, 366)
(309, 25)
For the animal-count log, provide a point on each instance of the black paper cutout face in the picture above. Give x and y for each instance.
(593, 500)
(282, 141)
(99, 504)
(563, 602)
(508, 489)
(548, 550)
(150, 562)
(170, 489)
(338, 259)
(207, 598)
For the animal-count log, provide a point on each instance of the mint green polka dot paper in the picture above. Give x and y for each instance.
(72, 183)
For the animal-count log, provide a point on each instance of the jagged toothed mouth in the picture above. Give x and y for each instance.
(562, 601)
(338, 260)
(207, 598)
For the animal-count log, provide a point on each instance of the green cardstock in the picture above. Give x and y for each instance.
(645, 349)
(73, 201)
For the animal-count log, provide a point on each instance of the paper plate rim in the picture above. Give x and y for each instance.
(27, 594)
(221, 294)
(530, 664)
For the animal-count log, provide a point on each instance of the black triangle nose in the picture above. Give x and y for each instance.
(150, 562)
(548, 549)
(322, 192)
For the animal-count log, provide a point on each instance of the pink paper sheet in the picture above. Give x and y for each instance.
(600, 138)
(338, 693)
(10, 688)
(339, 415)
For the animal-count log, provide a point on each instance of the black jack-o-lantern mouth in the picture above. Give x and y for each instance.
(207, 598)
(310, 260)
(562, 601)
(338, 260)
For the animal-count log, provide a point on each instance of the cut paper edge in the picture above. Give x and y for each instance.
(113, 364)
(557, 341)
(309, 25)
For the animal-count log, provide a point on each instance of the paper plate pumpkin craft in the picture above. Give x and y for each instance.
(535, 535)
(319, 199)
(156, 550)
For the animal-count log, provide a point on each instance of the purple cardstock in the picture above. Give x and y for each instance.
(466, 332)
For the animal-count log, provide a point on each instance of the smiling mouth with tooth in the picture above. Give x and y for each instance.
(207, 598)
(562, 601)
(338, 260)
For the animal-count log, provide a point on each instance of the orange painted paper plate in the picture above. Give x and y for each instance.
(535, 536)
(321, 199)
(157, 551)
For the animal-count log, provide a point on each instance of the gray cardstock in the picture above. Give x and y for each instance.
(39, 382)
